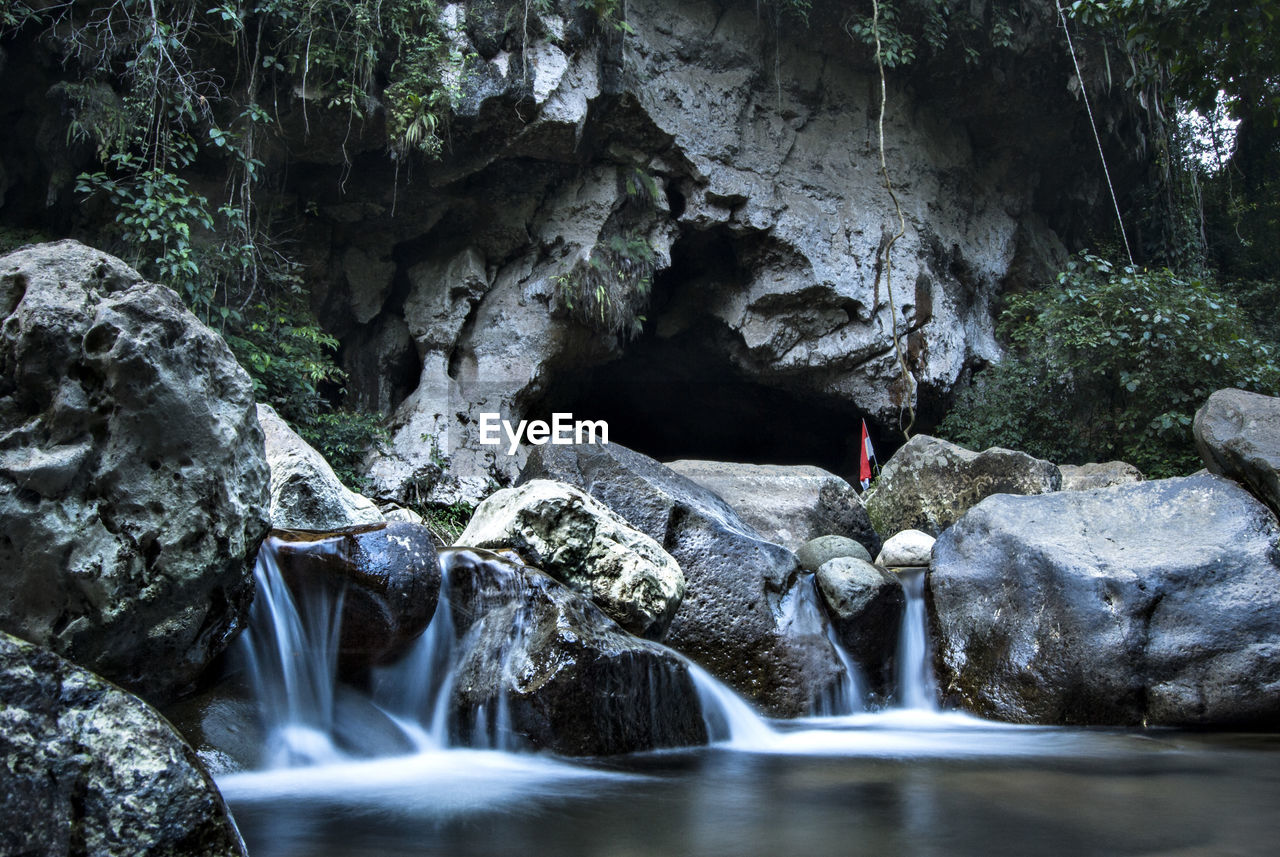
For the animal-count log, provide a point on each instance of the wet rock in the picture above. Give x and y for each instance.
(813, 553)
(388, 577)
(1086, 477)
(929, 483)
(866, 603)
(786, 504)
(582, 543)
(1156, 603)
(544, 667)
(1238, 436)
(305, 492)
(90, 769)
(133, 483)
(907, 549)
(732, 620)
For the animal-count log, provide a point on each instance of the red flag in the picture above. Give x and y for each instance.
(865, 458)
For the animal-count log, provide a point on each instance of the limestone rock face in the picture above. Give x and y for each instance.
(90, 769)
(1238, 436)
(743, 615)
(867, 604)
(1086, 477)
(568, 677)
(133, 483)
(1155, 603)
(929, 483)
(581, 542)
(305, 492)
(786, 504)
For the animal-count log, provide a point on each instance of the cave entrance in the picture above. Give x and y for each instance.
(676, 393)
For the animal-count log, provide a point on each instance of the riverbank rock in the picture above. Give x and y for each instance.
(866, 603)
(133, 484)
(1156, 603)
(388, 577)
(907, 549)
(1086, 477)
(813, 553)
(543, 666)
(786, 504)
(305, 492)
(584, 544)
(929, 483)
(732, 620)
(90, 769)
(1238, 436)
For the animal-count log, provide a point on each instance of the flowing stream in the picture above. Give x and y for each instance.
(381, 776)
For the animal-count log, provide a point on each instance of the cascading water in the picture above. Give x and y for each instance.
(917, 688)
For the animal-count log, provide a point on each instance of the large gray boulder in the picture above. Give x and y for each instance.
(866, 603)
(581, 542)
(133, 483)
(1156, 603)
(305, 492)
(1104, 474)
(732, 620)
(543, 666)
(787, 504)
(90, 769)
(1238, 436)
(387, 576)
(929, 483)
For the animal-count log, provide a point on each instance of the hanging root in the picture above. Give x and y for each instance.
(908, 387)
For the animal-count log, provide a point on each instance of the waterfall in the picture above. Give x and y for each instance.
(727, 715)
(916, 686)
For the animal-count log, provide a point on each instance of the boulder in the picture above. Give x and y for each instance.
(1156, 603)
(543, 666)
(787, 504)
(929, 483)
(732, 620)
(866, 603)
(91, 769)
(1238, 436)
(305, 492)
(813, 553)
(388, 577)
(584, 544)
(133, 484)
(907, 549)
(1086, 477)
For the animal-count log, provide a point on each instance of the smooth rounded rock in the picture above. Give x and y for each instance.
(866, 603)
(133, 484)
(1238, 436)
(815, 552)
(1156, 603)
(581, 542)
(907, 549)
(89, 769)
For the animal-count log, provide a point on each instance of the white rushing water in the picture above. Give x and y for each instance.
(917, 688)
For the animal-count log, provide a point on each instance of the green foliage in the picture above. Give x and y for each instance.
(1112, 363)
(610, 290)
(344, 437)
(914, 29)
(446, 522)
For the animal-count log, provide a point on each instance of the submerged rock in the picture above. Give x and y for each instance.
(1238, 436)
(305, 492)
(929, 483)
(1156, 603)
(866, 603)
(543, 666)
(813, 553)
(1086, 477)
(582, 543)
(133, 484)
(907, 549)
(387, 576)
(786, 504)
(90, 769)
(732, 620)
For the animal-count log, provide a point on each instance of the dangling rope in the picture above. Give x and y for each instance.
(908, 387)
(1062, 16)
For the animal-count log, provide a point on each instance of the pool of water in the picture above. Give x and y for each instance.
(906, 783)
